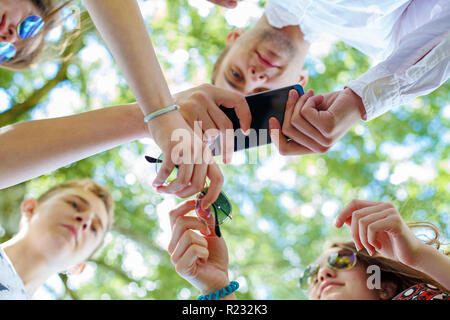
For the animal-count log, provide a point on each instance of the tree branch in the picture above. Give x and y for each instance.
(17, 110)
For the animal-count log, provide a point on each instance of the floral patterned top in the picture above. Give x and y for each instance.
(422, 291)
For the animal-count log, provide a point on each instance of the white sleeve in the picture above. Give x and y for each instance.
(419, 65)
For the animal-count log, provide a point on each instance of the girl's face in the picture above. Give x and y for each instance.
(12, 13)
(331, 284)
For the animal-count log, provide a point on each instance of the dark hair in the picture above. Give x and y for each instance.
(29, 55)
(400, 274)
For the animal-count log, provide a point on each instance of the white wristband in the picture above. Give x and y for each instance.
(160, 112)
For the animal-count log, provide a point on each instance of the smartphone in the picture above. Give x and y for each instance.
(263, 106)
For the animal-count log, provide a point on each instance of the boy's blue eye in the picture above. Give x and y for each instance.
(93, 229)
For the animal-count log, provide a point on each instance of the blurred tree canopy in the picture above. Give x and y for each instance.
(283, 207)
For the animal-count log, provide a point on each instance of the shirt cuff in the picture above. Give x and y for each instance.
(377, 96)
(382, 89)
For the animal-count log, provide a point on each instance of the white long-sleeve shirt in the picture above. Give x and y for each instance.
(410, 37)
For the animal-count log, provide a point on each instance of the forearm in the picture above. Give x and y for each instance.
(434, 264)
(420, 65)
(122, 27)
(32, 148)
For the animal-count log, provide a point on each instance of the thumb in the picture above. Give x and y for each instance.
(318, 115)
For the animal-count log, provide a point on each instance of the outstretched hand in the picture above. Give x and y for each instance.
(181, 146)
(201, 259)
(378, 227)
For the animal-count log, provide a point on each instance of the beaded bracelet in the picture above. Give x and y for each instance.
(160, 112)
(232, 287)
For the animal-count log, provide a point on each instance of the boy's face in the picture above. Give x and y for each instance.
(260, 60)
(68, 226)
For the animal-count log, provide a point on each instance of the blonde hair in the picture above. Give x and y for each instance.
(428, 225)
(218, 63)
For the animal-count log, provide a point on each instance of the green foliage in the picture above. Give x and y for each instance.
(282, 213)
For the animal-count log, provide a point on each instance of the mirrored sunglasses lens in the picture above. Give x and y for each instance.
(30, 27)
(7, 51)
(344, 259)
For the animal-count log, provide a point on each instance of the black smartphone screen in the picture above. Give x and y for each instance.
(263, 106)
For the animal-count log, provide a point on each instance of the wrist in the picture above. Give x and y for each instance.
(358, 102)
(423, 254)
(222, 293)
(161, 127)
(214, 287)
(135, 117)
(161, 112)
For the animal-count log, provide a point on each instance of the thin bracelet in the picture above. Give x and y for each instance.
(160, 112)
(229, 289)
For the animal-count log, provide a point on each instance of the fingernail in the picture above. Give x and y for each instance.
(271, 123)
(246, 132)
(291, 94)
(335, 223)
(156, 184)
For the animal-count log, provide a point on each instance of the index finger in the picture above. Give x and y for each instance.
(181, 210)
(164, 172)
(346, 214)
(215, 186)
(231, 99)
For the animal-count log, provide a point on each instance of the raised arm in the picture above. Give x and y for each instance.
(419, 65)
(32, 148)
(378, 227)
(122, 27)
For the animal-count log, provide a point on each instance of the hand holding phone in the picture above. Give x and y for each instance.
(263, 106)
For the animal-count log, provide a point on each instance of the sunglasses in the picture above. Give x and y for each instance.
(221, 208)
(343, 259)
(27, 29)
